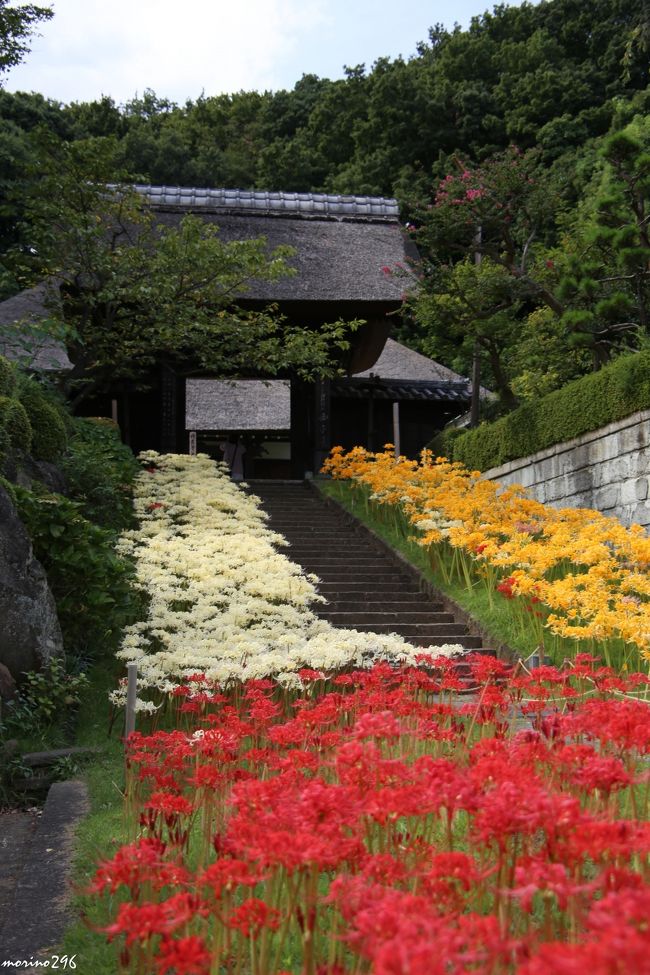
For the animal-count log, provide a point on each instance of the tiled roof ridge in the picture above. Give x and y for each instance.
(275, 202)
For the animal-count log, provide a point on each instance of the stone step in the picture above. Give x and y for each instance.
(313, 532)
(365, 589)
(329, 556)
(469, 643)
(359, 589)
(332, 549)
(451, 631)
(369, 578)
(383, 605)
(352, 620)
(353, 562)
(306, 520)
(331, 542)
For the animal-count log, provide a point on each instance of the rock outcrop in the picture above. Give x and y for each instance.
(30, 634)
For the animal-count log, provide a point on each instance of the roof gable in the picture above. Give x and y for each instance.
(401, 363)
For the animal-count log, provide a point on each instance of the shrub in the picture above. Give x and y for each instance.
(90, 583)
(99, 470)
(15, 422)
(47, 418)
(5, 447)
(618, 390)
(7, 377)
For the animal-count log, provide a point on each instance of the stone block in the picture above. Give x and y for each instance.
(582, 456)
(552, 489)
(580, 482)
(638, 514)
(641, 488)
(629, 491)
(30, 635)
(607, 498)
(7, 684)
(622, 468)
(641, 463)
(611, 447)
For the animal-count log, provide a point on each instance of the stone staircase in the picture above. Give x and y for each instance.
(366, 589)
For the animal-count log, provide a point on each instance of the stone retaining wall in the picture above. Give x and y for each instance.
(608, 469)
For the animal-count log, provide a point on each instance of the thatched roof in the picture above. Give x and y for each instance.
(242, 404)
(347, 248)
(399, 362)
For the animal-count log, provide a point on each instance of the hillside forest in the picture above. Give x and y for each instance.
(519, 150)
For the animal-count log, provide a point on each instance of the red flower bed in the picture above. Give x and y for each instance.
(382, 822)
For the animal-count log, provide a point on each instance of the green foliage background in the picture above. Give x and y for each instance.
(73, 536)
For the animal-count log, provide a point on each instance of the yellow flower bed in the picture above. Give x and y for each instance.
(582, 575)
(223, 600)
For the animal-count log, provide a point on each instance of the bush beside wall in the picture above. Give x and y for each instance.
(616, 391)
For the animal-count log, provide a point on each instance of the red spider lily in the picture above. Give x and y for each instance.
(381, 725)
(228, 873)
(537, 874)
(449, 879)
(622, 724)
(252, 916)
(137, 864)
(292, 822)
(184, 956)
(139, 922)
(507, 587)
(169, 805)
(442, 829)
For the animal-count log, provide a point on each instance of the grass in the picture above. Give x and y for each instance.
(495, 620)
(104, 829)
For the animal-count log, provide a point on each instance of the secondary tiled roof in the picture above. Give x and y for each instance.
(318, 205)
(405, 389)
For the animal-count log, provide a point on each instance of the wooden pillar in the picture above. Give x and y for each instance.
(126, 418)
(396, 433)
(322, 425)
(371, 423)
(168, 411)
(475, 405)
(301, 427)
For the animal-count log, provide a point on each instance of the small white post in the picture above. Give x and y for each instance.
(131, 694)
(396, 429)
(114, 411)
(193, 443)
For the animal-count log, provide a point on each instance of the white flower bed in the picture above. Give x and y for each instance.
(223, 600)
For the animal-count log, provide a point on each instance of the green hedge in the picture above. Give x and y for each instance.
(15, 422)
(616, 391)
(47, 418)
(7, 377)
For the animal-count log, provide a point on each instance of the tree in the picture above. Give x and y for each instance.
(134, 293)
(607, 284)
(467, 307)
(17, 24)
(485, 238)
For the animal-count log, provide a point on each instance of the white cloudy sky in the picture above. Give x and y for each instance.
(180, 48)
